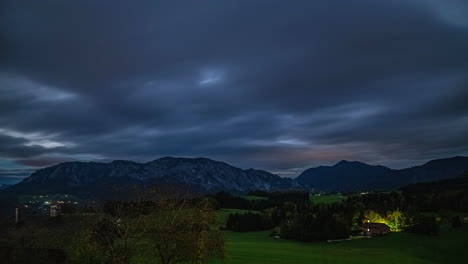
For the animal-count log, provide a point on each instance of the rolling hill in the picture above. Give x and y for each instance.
(357, 176)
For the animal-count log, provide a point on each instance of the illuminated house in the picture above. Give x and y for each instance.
(55, 209)
(374, 229)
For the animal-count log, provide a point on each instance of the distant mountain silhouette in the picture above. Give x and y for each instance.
(201, 174)
(356, 176)
(210, 176)
(343, 176)
(456, 184)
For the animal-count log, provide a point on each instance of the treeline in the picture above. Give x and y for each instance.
(292, 215)
(248, 222)
(227, 200)
(449, 194)
(315, 222)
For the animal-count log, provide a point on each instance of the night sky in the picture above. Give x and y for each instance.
(274, 85)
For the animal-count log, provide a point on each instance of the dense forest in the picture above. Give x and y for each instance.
(292, 215)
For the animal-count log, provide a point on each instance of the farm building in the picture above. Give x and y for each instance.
(55, 209)
(375, 229)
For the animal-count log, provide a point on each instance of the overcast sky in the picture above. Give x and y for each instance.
(274, 85)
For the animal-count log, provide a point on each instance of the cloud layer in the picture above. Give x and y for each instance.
(277, 85)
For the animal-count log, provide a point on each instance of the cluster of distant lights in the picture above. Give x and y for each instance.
(42, 196)
(48, 202)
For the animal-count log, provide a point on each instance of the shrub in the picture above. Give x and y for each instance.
(456, 222)
(424, 225)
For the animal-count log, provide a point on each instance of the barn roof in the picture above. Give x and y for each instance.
(375, 225)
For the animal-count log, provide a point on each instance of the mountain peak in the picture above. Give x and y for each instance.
(200, 173)
(355, 176)
(346, 162)
(170, 158)
(437, 162)
(122, 162)
(343, 162)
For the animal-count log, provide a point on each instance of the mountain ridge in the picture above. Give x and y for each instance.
(201, 174)
(206, 175)
(356, 176)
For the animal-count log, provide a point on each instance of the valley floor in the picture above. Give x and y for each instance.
(398, 248)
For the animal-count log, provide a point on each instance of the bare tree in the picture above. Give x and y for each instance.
(175, 224)
(183, 232)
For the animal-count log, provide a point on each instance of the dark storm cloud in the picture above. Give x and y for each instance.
(268, 84)
(13, 147)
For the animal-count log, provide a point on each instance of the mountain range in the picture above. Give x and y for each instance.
(453, 185)
(200, 174)
(206, 175)
(356, 176)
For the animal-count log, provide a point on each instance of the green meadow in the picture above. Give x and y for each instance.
(335, 198)
(398, 248)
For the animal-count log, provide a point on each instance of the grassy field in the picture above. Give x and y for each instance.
(327, 198)
(398, 248)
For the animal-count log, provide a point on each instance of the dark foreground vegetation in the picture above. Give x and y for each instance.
(166, 225)
(159, 225)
